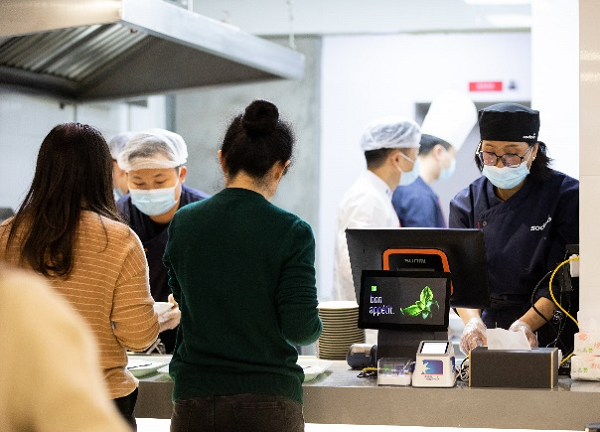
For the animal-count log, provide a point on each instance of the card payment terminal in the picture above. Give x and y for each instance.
(435, 365)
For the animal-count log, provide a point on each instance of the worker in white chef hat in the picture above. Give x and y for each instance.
(155, 164)
(446, 126)
(390, 146)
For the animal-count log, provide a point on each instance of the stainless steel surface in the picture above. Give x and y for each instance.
(112, 49)
(338, 396)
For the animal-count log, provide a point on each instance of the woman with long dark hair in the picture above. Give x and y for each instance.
(243, 273)
(68, 229)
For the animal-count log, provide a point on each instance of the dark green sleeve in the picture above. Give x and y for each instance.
(173, 282)
(297, 291)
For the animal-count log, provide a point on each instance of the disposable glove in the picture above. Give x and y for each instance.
(170, 318)
(519, 325)
(473, 335)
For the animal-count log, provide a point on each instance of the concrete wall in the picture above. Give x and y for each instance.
(202, 116)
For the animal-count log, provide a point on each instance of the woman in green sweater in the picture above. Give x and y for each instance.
(242, 271)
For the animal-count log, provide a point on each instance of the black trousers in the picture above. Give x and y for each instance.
(237, 413)
(125, 405)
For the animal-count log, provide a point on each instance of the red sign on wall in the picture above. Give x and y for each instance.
(485, 86)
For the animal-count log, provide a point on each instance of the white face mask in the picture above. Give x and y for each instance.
(446, 172)
(409, 177)
(154, 202)
(506, 178)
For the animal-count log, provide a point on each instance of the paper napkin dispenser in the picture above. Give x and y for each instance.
(535, 368)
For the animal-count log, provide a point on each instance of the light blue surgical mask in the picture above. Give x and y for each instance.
(446, 172)
(117, 193)
(410, 176)
(154, 202)
(506, 178)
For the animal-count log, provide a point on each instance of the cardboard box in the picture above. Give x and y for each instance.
(537, 368)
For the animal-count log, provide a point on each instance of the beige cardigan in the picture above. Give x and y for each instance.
(109, 288)
(49, 377)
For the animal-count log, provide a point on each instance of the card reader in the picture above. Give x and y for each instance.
(435, 365)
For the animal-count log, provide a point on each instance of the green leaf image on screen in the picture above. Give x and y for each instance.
(422, 306)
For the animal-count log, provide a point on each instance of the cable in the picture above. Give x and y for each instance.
(552, 293)
(558, 304)
(532, 301)
(463, 371)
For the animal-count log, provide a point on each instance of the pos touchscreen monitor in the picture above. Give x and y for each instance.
(460, 252)
(405, 300)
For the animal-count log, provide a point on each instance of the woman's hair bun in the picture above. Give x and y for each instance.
(260, 118)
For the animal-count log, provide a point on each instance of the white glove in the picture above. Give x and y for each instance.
(170, 318)
(473, 335)
(519, 325)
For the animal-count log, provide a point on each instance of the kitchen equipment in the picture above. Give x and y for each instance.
(361, 355)
(87, 50)
(533, 368)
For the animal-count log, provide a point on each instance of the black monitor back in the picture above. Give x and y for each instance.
(464, 249)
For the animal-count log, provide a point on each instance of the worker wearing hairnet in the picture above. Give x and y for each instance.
(115, 145)
(390, 146)
(154, 161)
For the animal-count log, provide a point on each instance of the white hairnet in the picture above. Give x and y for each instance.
(116, 143)
(153, 148)
(391, 132)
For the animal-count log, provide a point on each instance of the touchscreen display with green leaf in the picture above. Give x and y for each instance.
(404, 300)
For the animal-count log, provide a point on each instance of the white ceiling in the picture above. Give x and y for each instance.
(320, 17)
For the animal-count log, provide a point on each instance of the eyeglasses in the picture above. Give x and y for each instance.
(510, 160)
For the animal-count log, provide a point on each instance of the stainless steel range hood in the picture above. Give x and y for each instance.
(87, 50)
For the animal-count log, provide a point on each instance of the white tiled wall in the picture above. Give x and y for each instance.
(555, 79)
(589, 34)
(25, 119)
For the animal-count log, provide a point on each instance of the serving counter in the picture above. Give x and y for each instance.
(338, 396)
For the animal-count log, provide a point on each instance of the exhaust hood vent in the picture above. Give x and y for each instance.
(85, 50)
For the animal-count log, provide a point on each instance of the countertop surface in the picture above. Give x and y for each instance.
(338, 396)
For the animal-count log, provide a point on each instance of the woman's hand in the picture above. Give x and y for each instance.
(170, 318)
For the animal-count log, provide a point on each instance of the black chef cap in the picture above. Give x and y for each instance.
(509, 122)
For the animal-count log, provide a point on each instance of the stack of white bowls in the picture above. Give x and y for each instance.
(340, 329)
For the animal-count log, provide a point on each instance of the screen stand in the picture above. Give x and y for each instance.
(404, 343)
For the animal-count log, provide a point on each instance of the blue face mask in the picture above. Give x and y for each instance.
(506, 178)
(117, 193)
(446, 172)
(410, 176)
(154, 202)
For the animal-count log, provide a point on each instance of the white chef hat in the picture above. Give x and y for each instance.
(153, 148)
(451, 117)
(391, 132)
(117, 143)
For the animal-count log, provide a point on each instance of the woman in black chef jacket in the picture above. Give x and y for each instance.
(528, 213)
